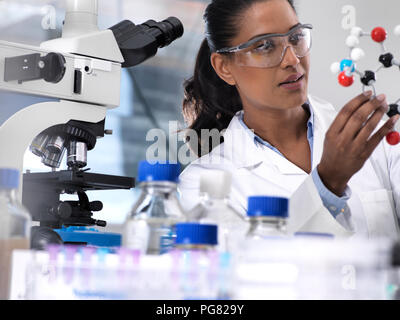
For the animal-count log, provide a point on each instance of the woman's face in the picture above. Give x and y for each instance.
(262, 87)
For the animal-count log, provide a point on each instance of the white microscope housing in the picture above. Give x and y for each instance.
(90, 84)
(82, 69)
(82, 72)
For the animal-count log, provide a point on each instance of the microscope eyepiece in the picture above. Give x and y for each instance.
(166, 31)
(141, 42)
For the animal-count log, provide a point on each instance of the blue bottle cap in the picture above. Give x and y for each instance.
(158, 171)
(9, 178)
(196, 234)
(268, 207)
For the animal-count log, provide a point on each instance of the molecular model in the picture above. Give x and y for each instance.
(347, 67)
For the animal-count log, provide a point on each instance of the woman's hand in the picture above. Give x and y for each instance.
(348, 143)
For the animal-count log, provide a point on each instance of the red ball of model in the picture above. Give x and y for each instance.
(393, 138)
(345, 80)
(379, 34)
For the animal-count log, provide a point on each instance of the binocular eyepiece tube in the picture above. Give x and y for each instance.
(141, 42)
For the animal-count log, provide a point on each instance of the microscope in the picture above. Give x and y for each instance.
(82, 72)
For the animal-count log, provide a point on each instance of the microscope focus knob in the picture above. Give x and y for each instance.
(96, 206)
(52, 67)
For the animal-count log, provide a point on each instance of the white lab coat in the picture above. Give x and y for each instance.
(258, 170)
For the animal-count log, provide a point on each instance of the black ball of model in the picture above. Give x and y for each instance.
(369, 78)
(393, 110)
(387, 60)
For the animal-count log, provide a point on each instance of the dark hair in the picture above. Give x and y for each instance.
(210, 102)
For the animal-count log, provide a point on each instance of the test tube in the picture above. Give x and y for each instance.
(122, 270)
(87, 253)
(53, 251)
(69, 252)
(136, 257)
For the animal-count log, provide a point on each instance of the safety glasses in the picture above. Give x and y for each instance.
(267, 51)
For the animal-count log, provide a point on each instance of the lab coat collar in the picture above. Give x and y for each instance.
(240, 149)
(324, 115)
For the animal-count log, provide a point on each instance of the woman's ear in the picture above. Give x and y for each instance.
(221, 66)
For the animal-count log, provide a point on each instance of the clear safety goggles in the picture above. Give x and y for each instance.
(267, 51)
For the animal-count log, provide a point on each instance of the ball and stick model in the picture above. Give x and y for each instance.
(347, 68)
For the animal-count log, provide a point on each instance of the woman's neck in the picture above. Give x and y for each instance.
(276, 126)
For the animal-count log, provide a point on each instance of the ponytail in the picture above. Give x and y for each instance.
(209, 102)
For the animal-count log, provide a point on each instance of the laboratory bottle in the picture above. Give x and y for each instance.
(15, 224)
(214, 208)
(196, 236)
(150, 226)
(196, 261)
(268, 217)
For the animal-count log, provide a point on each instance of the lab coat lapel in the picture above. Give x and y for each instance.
(319, 137)
(245, 153)
(322, 121)
(283, 165)
(238, 146)
(260, 160)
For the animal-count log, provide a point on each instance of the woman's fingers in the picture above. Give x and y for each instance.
(380, 135)
(349, 142)
(359, 118)
(347, 111)
(370, 126)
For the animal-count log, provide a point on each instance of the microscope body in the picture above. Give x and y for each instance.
(82, 72)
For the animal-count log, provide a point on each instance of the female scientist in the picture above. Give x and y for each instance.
(251, 79)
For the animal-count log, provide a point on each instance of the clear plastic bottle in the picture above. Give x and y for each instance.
(150, 227)
(196, 261)
(15, 224)
(268, 217)
(214, 208)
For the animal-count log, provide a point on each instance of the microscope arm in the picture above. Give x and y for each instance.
(17, 132)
